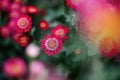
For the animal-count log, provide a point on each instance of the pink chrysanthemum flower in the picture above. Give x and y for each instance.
(74, 4)
(60, 31)
(23, 23)
(16, 35)
(43, 25)
(51, 44)
(23, 40)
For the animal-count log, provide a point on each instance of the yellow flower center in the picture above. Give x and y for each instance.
(32, 10)
(22, 23)
(42, 25)
(23, 40)
(77, 51)
(51, 44)
(15, 68)
(60, 32)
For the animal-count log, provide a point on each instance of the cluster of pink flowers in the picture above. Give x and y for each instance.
(19, 20)
(52, 44)
(16, 67)
(18, 27)
(20, 23)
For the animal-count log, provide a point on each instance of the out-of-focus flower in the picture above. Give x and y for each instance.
(43, 25)
(14, 14)
(23, 40)
(11, 24)
(5, 4)
(115, 3)
(5, 32)
(15, 6)
(15, 36)
(32, 10)
(74, 4)
(23, 9)
(23, 23)
(51, 44)
(32, 50)
(77, 51)
(36, 67)
(60, 31)
(37, 71)
(14, 67)
(108, 47)
(17, 1)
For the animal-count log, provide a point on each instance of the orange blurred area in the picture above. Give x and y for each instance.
(106, 21)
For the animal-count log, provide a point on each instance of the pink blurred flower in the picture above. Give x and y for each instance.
(5, 4)
(11, 24)
(74, 4)
(5, 32)
(36, 67)
(14, 14)
(32, 50)
(52, 44)
(91, 6)
(23, 9)
(15, 6)
(16, 35)
(14, 67)
(115, 3)
(0, 4)
(37, 71)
